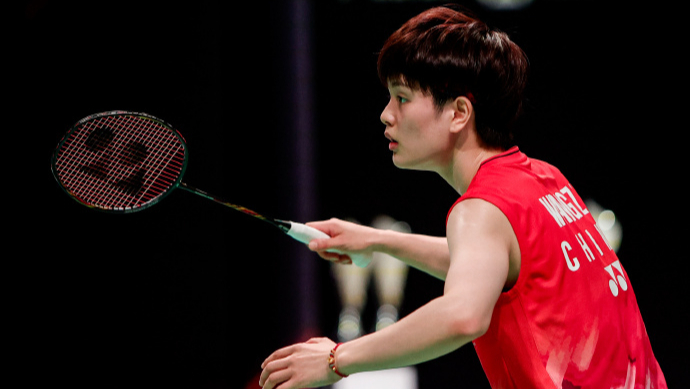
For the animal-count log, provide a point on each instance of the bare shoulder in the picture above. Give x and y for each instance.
(480, 229)
(477, 213)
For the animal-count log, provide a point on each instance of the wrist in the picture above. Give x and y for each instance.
(382, 241)
(333, 362)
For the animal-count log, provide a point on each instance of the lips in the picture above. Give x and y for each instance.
(393, 144)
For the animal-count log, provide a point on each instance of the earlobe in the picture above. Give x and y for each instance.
(463, 113)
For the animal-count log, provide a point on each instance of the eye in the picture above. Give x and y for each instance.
(401, 99)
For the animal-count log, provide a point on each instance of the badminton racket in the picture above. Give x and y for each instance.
(124, 162)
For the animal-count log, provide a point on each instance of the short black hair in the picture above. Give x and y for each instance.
(448, 53)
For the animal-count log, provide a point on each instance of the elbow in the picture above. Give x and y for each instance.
(470, 326)
(481, 329)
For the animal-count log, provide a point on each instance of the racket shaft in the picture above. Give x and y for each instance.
(298, 231)
(236, 207)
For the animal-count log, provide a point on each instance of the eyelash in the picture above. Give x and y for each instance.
(398, 98)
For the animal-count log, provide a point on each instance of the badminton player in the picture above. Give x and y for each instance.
(529, 278)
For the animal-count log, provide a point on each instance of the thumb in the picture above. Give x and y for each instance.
(327, 249)
(320, 244)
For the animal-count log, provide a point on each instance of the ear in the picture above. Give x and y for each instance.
(463, 114)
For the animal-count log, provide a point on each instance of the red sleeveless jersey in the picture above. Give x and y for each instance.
(571, 320)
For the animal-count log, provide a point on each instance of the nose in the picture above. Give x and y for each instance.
(387, 117)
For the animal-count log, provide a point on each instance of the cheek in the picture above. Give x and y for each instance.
(415, 125)
(427, 130)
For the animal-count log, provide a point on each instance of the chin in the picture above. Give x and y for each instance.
(397, 162)
(424, 164)
(405, 165)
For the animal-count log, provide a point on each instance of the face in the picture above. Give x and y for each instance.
(419, 134)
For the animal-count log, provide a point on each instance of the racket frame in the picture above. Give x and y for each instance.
(139, 207)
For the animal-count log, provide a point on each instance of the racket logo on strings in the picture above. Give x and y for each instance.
(100, 145)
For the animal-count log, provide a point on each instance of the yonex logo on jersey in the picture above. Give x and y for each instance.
(616, 279)
(564, 210)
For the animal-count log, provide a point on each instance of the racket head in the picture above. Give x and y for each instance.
(120, 161)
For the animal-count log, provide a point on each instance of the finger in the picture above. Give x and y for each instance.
(320, 244)
(317, 340)
(342, 259)
(276, 378)
(271, 369)
(335, 245)
(329, 255)
(322, 225)
(279, 354)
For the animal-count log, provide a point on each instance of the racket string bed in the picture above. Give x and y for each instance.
(93, 172)
(170, 157)
(88, 164)
(70, 165)
(120, 161)
(111, 194)
(133, 152)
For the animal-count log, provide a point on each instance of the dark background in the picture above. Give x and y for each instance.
(279, 103)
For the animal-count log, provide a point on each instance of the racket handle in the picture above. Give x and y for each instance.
(303, 233)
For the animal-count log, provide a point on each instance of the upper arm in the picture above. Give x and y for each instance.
(480, 239)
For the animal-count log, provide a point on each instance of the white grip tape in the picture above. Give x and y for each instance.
(303, 233)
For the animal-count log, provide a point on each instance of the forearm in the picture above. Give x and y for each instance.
(428, 333)
(427, 253)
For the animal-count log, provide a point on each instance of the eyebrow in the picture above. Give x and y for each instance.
(399, 84)
(398, 81)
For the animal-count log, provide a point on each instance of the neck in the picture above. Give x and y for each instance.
(465, 164)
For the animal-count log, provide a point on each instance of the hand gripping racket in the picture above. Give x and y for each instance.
(124, 162)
